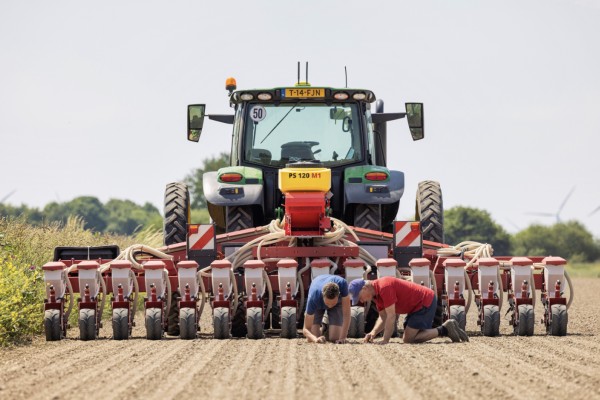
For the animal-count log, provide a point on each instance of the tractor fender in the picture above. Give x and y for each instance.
(225, 194)
(388, 192)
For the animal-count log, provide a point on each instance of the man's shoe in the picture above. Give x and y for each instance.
(453, 330)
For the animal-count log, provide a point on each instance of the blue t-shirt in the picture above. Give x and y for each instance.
(315, 293)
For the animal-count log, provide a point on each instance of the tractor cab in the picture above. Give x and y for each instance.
(343, 130)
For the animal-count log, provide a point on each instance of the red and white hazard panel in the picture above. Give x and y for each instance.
(407, 234)
(201, 237)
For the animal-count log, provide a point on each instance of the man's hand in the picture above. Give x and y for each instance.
(368, 338)
(321, 339)
(341, 341)
(381, 342)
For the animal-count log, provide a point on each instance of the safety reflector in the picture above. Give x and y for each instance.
(405, 234)
(203, 238)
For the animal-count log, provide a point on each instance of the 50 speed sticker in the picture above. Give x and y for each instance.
(258, 113)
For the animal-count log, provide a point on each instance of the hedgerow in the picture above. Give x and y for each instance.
(23, 251)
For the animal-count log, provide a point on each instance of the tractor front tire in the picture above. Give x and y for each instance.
(52, 326)
(238, 218)
(367, 216)
(177, 213)
(430, 211)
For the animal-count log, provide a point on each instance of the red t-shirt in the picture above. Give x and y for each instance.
(408, 296)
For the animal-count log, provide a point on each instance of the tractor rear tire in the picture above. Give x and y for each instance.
(458, 313)
(367, 216)
(154, 328)
(357, 323)
(52, 325)
(254, 323)
(177, 213)
(491, 320)
(120, 323)
(560, 318)
(526, 320)
(238, 218)
(288, 323)
(187, 323)
(87, 324)
(430, 211)
(221, 323)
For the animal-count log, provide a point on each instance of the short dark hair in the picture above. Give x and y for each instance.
(331, 290)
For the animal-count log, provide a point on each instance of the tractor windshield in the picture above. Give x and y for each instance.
(275, 135)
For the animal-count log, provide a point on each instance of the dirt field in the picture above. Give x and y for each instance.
(502, 367)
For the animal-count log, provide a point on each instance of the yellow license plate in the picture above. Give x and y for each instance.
(304, 93)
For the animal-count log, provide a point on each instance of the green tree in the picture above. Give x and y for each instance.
(194, 178)
(87, 207)
(33, 215)
(570, 240)
(125, 217)
(465, 223)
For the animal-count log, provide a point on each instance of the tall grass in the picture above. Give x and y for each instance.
(23, 251)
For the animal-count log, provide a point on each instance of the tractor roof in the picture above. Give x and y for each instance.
(304, 92)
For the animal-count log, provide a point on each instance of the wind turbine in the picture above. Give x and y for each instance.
(557, 214)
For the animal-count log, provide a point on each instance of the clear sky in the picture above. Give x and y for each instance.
(93, 95)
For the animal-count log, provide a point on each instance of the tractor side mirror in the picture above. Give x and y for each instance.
(414, 114)
(195, 121)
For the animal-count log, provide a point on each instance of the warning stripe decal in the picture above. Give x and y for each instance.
(405, 236)
(204, 239)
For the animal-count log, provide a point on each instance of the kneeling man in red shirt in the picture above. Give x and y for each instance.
(395, 296)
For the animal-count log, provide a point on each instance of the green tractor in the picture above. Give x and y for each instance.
(340, 129)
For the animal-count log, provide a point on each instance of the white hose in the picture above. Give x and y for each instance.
(301, 287)
(532, 286)
(433, 281)
(168, 284)
(469, 292)
(203, 291)
(500, 291)
(269, 291)
(571, 289)
(71, 299)
(136, 288)
(103, 286)
(235, 291)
